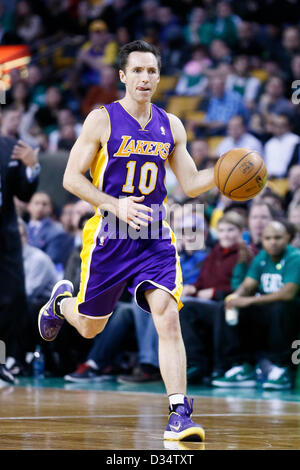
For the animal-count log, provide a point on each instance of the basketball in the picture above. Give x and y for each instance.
(240, 174)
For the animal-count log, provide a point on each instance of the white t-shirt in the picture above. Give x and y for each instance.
(246, 140)
(278, 152)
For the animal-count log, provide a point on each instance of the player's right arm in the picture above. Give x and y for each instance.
(94, 134)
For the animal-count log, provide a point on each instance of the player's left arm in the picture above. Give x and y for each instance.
(192, 181)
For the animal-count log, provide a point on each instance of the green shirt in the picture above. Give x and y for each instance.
(272, 276)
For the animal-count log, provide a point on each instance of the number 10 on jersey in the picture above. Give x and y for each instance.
(148, 177)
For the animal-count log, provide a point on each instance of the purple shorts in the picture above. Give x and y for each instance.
(110, 265)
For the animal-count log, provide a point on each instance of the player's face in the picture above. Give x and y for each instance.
(228, 234)
(141, 76)
(274, 239)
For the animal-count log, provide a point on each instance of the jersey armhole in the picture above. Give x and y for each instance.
(109, 123)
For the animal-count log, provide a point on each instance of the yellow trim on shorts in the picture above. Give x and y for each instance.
(89, 241)
(177, 291)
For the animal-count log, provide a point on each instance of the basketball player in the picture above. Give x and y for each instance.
(126, 145)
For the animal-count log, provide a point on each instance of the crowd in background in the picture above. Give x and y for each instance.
(240, 61)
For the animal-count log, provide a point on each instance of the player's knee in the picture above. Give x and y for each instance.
(168, 324)
(89, 328)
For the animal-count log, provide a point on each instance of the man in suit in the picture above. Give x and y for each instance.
(19, 169)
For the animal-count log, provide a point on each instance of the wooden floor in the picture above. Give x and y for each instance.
(49, 418)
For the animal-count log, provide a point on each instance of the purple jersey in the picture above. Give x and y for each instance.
(133, 161)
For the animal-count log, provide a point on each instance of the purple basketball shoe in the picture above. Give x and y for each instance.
(181, 427)
(49, 321)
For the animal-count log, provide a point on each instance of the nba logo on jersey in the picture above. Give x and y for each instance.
(162, 130)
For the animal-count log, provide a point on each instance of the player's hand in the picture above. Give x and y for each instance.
(132, 211)
(25, 154)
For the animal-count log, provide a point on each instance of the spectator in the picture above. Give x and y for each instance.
(37, 88)
(10, 122)
(100, 50)
(193, 80)
(238, 137)
(199, 150)
(225, 24)
(294, 212)
(293, 181)
(247, 43)
(198, 29)
(213, 284)
(104, 93)
(279, 149)
(290, 47)
(44, 233)
(273, 101)
(268, 323)
(222, 106)
(274, 200)
(66, 218)
(28, 25)
(219, 53)
(47, 116)
(242, 82)
(67, 125)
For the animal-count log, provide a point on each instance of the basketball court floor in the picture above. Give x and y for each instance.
(51, 414)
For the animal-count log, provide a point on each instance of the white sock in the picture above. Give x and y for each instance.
(176, 399)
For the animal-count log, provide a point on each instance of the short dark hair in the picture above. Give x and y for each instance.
(139, 46)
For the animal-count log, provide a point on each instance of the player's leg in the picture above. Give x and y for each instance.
(62, 305)
(172, 357)
(172, 362)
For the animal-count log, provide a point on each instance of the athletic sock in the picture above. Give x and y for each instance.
(176, 399)
(58, 303)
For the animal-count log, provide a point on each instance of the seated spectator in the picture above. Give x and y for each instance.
(273, 100)
(37, 88)
(10, 122)
(101, 361)
(293, 181)
(198, 314)
(28, 25)
(237, 136)
(199, 151)
(103, 93)
(47, 116)
(66, 218)
(19, 96)
(44, 233)
(99, 51)
(225, 24)
(198, 29)
(241, 81)
(278, 151)
(247, 42)
(221, 107)
(193, 80)
(67, 127)
(274, 200)
(269, 322)
(290, 46)
(294, 212)
(219, 53)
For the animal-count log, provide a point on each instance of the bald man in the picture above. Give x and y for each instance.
(269, 304)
